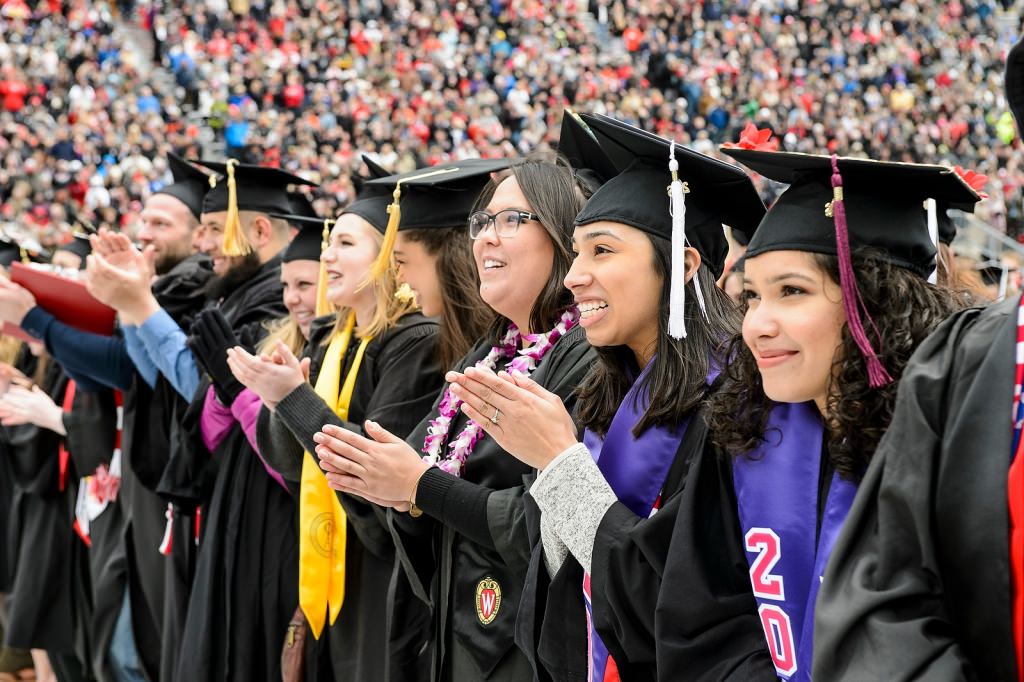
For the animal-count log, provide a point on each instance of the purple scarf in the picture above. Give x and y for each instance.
(636, 469)
(777, 495)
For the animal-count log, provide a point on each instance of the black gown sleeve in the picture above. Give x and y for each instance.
(671, 592)
(91, 428)
(908, 585)
(405, 387)
(496, 519)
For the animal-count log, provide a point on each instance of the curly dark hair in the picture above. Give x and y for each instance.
(905, 309)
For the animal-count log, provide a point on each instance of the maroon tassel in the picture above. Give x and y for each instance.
(852, 302)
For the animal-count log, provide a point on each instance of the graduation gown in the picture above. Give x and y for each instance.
(918, 586)
(48, 604)
(477, 532)
(158, 585)
(669, 593)
(244, 588)
(91, 427)
(382, 630)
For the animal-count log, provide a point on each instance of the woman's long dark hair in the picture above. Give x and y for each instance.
(465, 318)
(904, 308)
(677, 383)
(556, 196)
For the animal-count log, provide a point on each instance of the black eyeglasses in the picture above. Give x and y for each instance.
(506, 223)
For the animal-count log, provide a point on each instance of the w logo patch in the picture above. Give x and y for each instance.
(488, 600)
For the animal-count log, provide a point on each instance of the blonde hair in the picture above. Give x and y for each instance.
(285, 330)
(388, 308)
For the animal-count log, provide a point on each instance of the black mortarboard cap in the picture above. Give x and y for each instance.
(307, 242)
(79, 245)
(189, 186)
(436, 197)
(883, 202)
(717, 193)
(440, 196)
(371, 202)
(244, 187)
(581, 149)
(301, 206)
(258, 188)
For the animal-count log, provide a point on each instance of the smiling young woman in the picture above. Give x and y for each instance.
(591, 600)
(377, 353)
(836, 299)
(465, 544)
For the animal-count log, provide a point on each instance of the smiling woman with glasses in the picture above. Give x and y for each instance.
(506, 222)
(465, 542)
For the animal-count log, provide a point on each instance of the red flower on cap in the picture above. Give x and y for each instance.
(754, 138)
(975, 180)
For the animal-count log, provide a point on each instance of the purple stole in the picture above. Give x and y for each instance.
(636, 469)
(777, 495)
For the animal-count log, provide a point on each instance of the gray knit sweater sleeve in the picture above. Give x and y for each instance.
(574, 495)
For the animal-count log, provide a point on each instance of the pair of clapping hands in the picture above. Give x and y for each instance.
(532, 424)
(23, 402)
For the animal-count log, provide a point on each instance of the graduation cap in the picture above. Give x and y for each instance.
(667, 190)
(945, 227)
(436, 197)
(836, 206)
(245, 187)
(189, 186)
(79, 245)
(308, 243)
(312, 230)
(371, 202)
(581, 149)
(882, 202)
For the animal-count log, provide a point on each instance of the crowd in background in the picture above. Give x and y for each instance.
(92, 96)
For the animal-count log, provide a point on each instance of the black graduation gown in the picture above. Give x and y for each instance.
(446, 560)
(158, 585)
(918, 585)
(48, 604)
(645, 615)
(91, 436)
(383, 628)
(244, 590)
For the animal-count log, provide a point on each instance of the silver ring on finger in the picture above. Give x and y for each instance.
(494, 417)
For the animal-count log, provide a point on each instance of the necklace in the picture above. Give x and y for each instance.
(535, 347)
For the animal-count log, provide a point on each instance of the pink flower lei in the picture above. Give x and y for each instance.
(535, 347)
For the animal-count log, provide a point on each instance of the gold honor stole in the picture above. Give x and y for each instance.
(321, 516)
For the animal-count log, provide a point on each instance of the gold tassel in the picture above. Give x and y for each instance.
(383, 263)
(235, 242)
(384, 260)
(323, 306)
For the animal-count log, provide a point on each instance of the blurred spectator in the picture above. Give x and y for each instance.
(311, 84)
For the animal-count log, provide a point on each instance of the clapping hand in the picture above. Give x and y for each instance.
(525, 419)
(271, 377)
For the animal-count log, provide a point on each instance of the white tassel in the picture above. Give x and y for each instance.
(700, 299)
(933, 233)
(677, 292)
(167, 542)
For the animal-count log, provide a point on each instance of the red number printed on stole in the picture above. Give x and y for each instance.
(779, 633)
(766, 543)
(778, 630)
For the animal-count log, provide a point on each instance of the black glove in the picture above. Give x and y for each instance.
(211, 338)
